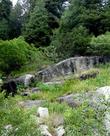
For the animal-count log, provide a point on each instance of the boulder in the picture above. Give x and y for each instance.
(30, 91)
(69, 100)
(43, 112)
(31, 103)
(104, 92)
(25, 80)
(70, 66)
(44, 130)
(60, 131)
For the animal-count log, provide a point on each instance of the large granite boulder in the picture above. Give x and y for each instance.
(62, 69)
(70, 66)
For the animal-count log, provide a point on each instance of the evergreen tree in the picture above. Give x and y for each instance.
(5, 9)
(42, 20)
(37, 29)
(16, 21)
(83, 19)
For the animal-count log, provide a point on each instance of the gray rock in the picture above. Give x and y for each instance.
(31, 103)
(44, 130)
(60, 131)
(43, 112)
(30, 91)
(8, 127)
(62, 69)
(104, 92)
(25, 80)
(99, 100)
(69, 100)
(69, 66)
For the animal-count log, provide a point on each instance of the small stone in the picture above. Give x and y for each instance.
(44, 130)
(43, 112)
(35, 90)
(60, 131)
(104, 91)
(8, 127)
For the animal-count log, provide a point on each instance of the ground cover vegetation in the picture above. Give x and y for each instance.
(76, 119)
(37, 33)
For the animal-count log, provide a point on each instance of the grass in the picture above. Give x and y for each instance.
(74, 85)
(80, 121)
(22, 121)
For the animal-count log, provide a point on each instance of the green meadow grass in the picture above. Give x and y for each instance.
(80, 121)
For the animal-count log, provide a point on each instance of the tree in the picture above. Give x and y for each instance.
(82, 19)
(43, 20)
(37, 29)
(5, 9)
(16, 21)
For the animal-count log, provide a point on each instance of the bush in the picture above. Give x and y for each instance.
(13, 55)
(100, 45)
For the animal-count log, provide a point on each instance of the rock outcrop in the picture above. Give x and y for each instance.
(61, 69)
(69, 66)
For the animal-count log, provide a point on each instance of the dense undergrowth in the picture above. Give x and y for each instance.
(80, 121)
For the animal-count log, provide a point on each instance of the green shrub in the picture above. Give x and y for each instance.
(100, 45)
(13, 54)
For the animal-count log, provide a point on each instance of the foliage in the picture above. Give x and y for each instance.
(71, 43)
(80, 121)
(16, 21)
(37, 29)
(100, 45)
(14, 54)
(4, 29)
(42, 21)
(5, 10)
(79, 22)
(22, 121)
